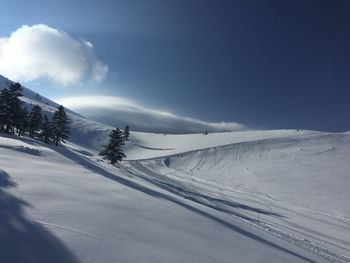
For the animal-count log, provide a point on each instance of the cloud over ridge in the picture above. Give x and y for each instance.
(40, 51)
(117, 111)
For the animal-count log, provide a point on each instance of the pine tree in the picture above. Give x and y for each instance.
(60, 126)
(11, 112)
(4, 96)
(22, 125)
(113, 152)
(35, 121)
(46, 133)
(16, 105)
(127, 132)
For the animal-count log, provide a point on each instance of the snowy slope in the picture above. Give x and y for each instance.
(60, 206)
(253, 196)
(297, 183)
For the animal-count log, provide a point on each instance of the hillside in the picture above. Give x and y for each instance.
(297, 183)
(252, 196)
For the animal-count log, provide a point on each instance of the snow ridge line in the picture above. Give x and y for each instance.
(288, 139)
(223, 206)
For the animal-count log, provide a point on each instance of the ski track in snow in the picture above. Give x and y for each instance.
(138, 169)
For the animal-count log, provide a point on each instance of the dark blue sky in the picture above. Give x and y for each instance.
(266, 64)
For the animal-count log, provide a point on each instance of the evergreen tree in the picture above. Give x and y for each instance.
(4, 96)
(35, 121)
(11, 112)
(127, 132)
(22, 125)
(46, 133)
(60, 126)
(16, 105)
(113, 152)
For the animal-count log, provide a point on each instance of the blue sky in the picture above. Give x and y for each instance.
(264, 64)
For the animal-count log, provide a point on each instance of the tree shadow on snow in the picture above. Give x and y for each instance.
(23, 149)
(21, 239)
(93, 167)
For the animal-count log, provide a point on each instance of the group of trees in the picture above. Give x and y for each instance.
(16, 119)
(113, 151)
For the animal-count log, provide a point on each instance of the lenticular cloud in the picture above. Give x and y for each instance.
(39, 51)
(117, 111)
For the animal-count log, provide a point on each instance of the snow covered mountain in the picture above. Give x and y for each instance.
(251, 196)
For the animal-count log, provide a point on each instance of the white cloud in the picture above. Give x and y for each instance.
(33, 52)
(117, 111)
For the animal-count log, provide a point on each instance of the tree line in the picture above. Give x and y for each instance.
(16, 119)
